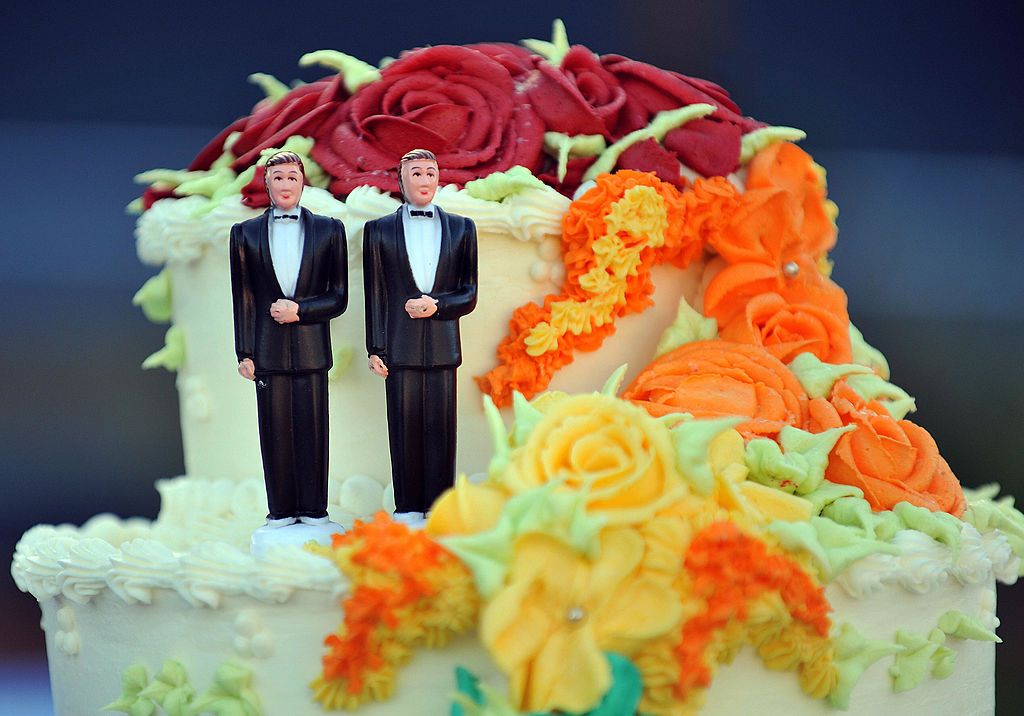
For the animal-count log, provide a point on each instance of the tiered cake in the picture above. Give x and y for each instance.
(754, 523)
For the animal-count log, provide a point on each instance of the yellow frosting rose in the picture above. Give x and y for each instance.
(613, 450)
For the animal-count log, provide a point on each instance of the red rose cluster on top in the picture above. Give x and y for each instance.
(485, 108)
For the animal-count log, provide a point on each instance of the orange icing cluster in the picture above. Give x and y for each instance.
(768, 289)
(729, 571)
(407, 591)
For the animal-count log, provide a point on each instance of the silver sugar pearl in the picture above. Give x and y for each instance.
(575, 614)
(791, 269)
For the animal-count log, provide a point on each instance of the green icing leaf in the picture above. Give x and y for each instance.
(662, 124)
(853, 654)
(856, 512)
(691, 439)
(155, 297)
(845, 545)
(210, 184)
(356, 73)
(499, 438)
(562, 146)
(829, 492)
(963, 626)
(501, 185)
(135, 206)
(874, 387)
(909, 667)
(170, 688)
(614, 382)
(940, 526)
(133, 680)
(172, 355)
(554, 51)
(852, 512)
(866, 355)
(229, 695)
(688, 326)
(172, 178)
(342, 361)
(544, 509)
(272, 87)
(987, 514)
(796, 536)
(753, 142)
(818, 377)
(798, 465)
(525, 418)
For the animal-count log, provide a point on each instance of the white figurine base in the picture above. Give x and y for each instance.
(296, 534)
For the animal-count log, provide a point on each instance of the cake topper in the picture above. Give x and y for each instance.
(289, 278)
(420, 276)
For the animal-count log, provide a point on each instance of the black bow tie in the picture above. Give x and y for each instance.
(286, 216)
(417, 212)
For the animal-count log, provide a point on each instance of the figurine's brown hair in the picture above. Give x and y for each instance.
(286, 158)
(412, 156)
(278, 158)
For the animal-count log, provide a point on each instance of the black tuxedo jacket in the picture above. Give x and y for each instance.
(399, 340)
(321, 292)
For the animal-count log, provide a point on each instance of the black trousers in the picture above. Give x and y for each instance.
(421, 433)
(292, 410)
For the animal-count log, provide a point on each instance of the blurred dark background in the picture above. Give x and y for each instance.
(913, 108)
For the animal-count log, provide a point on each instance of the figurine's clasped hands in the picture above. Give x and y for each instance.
(378, 367)
(247, 369)
(422, 307)
(284, 311)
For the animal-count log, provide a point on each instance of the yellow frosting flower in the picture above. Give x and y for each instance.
(465, 509)
(543, 338)
(613, 450)
(549, 626)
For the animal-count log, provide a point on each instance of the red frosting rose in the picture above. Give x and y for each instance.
(458, 102)
(710, 146)
(578, 97)
(300, 112)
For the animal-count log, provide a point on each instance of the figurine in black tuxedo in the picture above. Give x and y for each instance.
(420, 276)
(289, 278)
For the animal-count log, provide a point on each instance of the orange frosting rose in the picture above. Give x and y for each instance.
(890, 460)
(786, 166)
(713, 379)
(800, 318)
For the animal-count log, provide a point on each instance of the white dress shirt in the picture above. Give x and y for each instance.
(423, 245)
(286, 236)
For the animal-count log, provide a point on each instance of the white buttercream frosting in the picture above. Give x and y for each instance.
(924, 564)
(284, 570)
(213, 570)
(84, 570)
(141, 567)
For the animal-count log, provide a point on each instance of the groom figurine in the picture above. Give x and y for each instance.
(420, 274)
(289, 278)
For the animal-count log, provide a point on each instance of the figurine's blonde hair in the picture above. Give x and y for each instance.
(412, 156)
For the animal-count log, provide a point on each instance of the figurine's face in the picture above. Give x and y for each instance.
(419, 181)
(285, 184)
